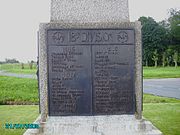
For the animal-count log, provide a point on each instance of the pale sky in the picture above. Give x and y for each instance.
(19, 22)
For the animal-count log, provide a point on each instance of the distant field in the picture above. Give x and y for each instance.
(16, 68)
(148, 72)
(18, 90)
(16, 114)
(161, 72)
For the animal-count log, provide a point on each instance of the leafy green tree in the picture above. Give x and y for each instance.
(11, 60)
(174, 22)
(173, 54)
(169, 58)
(153, 38)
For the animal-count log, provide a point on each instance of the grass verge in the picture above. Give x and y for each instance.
(13, 114)
(161, 72)
(18, 90)
(163, 112)
(148, 98)
(165, 116)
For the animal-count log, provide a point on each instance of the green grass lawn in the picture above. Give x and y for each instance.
(21, 114)
(18, 90)
(16, 68)
(165, 116)
(148, 98)
(163, 112)
(161, 72)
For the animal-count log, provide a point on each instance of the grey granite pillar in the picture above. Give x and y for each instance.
(88, 11)
(91, 14)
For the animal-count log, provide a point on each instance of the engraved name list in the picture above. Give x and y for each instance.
(90, 71)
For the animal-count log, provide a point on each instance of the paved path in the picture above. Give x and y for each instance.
(163, 87)
(3, 73)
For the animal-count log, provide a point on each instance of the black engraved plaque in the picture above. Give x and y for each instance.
(113, 87)
(90, 71)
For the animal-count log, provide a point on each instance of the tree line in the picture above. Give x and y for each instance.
(161, 40)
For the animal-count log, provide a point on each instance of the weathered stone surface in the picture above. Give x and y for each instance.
(94, 125)
(88, 11)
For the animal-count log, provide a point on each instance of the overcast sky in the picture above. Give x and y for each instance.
(19, 21)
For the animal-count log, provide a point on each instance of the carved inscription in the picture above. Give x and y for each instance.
(90, 37)
(69, 80)
(113, 80)
(90, 71)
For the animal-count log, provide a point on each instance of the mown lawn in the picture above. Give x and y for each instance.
(18, 90)
(163, 112)
(148, 98)
(16, 114)
(16, 68)
(165, 116)
(161, 72)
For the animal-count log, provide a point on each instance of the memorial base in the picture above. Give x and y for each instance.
(95, 125)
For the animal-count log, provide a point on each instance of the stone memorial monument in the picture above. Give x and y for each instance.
(90, 71)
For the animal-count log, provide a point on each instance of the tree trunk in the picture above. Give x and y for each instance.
(146, 63)
(175, 64)
(167, 62)
(163, 64)
(164, 59)
(155, 64)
